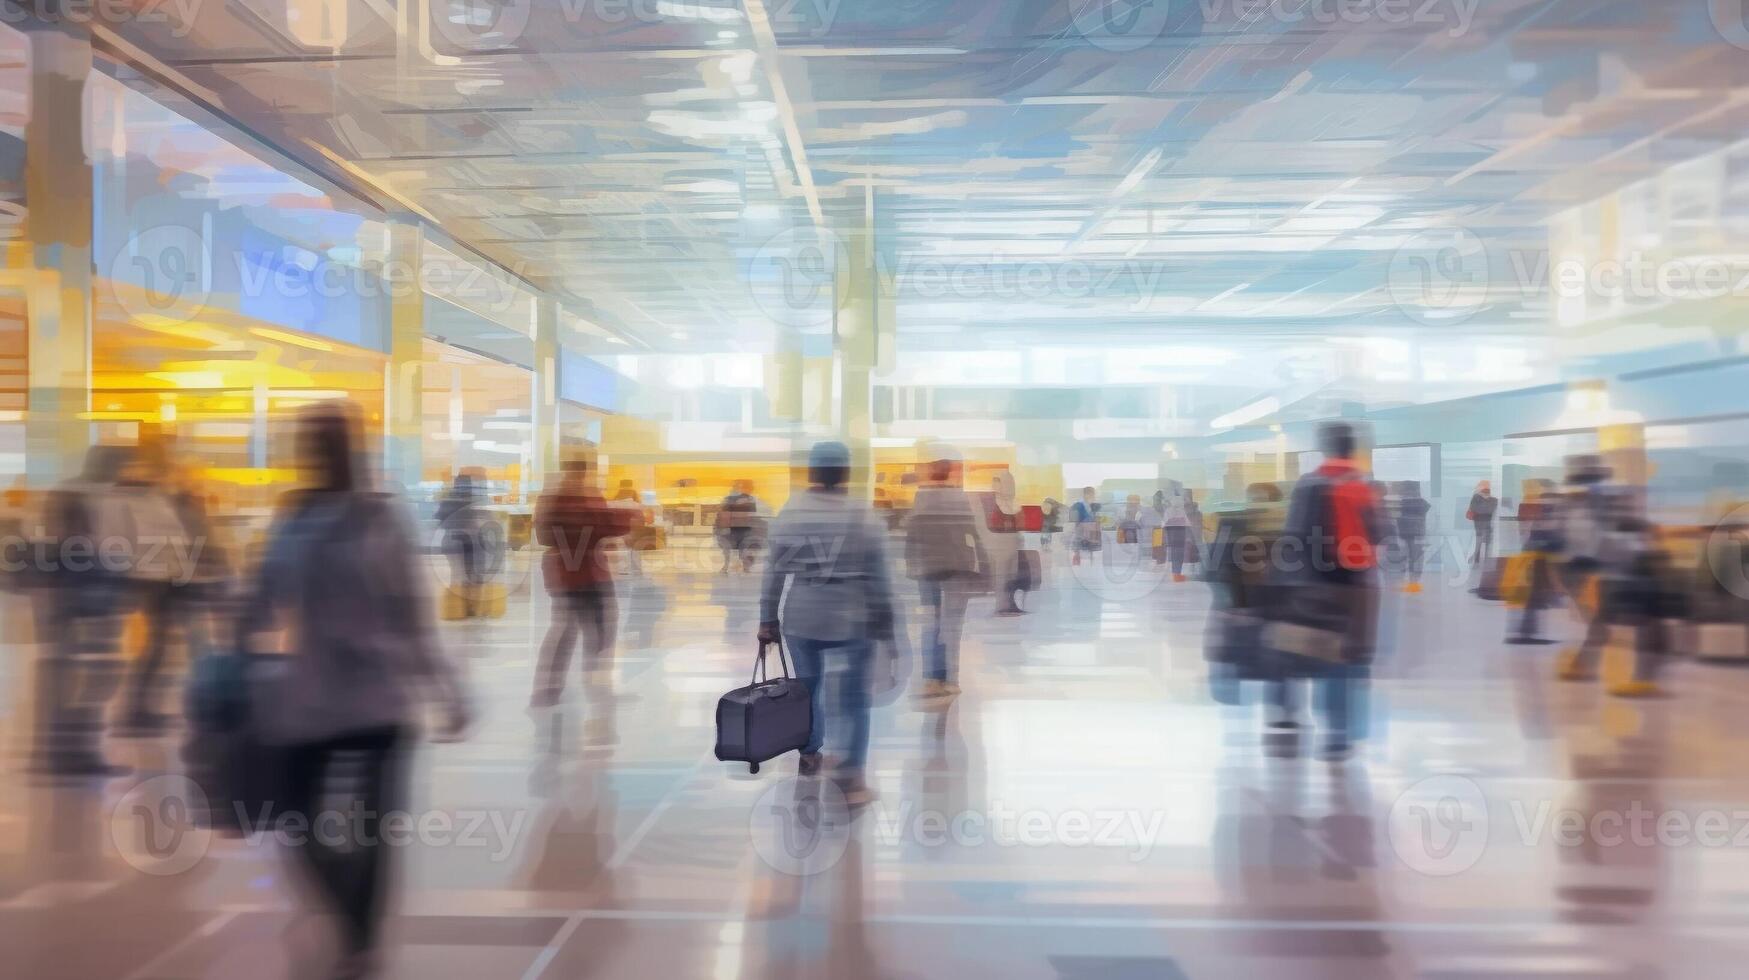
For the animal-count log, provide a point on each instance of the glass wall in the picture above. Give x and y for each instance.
(228, 292)
(14, 251)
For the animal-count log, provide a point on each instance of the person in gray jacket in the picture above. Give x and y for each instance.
(944, 552)
(830, 550)
(340, 581)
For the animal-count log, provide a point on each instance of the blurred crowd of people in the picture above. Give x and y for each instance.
(329, 615)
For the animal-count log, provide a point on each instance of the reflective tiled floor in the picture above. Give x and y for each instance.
(1083, 810)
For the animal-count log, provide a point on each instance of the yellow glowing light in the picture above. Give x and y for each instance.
(284, 337)
(190, 379)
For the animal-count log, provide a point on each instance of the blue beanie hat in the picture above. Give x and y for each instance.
(828, 455)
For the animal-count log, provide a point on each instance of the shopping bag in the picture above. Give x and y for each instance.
(494, 599)
(1516, 578)
(453, 604)
(237, 770)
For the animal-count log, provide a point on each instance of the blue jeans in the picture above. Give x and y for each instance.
(946, 599)
(851, 710)
(1337, 687)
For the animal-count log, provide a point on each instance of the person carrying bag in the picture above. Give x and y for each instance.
(1326, 624)
(340, 588)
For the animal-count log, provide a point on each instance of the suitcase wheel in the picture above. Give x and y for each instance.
(752, 767)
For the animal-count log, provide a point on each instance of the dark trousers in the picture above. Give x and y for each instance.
(79, 629)
(735, 542)
(592, 612)
(347, 860)
(1414, 554)
(1542, 596)
(167, 608)
(1177, 546)
(1484, 541)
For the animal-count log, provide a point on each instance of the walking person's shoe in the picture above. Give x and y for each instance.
(1568, 668)
(855, 789)
(809, 764)
(1336, 752)
(937, 691)
(1636, 689)
(544, 697)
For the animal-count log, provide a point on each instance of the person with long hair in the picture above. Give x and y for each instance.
(340, 581)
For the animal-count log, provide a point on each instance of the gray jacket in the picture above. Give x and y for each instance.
(944, 535)
(341, 576)
(831, 550)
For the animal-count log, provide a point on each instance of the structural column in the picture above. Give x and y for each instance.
(404, 383)
(58, 305)
(544, 413)
(855, 327)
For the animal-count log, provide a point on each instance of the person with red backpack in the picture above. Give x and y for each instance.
(1335, 524)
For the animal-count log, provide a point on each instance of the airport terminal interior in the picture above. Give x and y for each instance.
(1082, 489)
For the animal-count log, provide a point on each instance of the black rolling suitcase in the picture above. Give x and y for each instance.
(1492, 572)
(766, 718)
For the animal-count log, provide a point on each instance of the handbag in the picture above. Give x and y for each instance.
(1301, 640)
(1517, 577)
(765, 719)
(225, 755)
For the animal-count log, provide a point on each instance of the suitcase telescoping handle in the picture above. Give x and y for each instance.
(760, 671)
